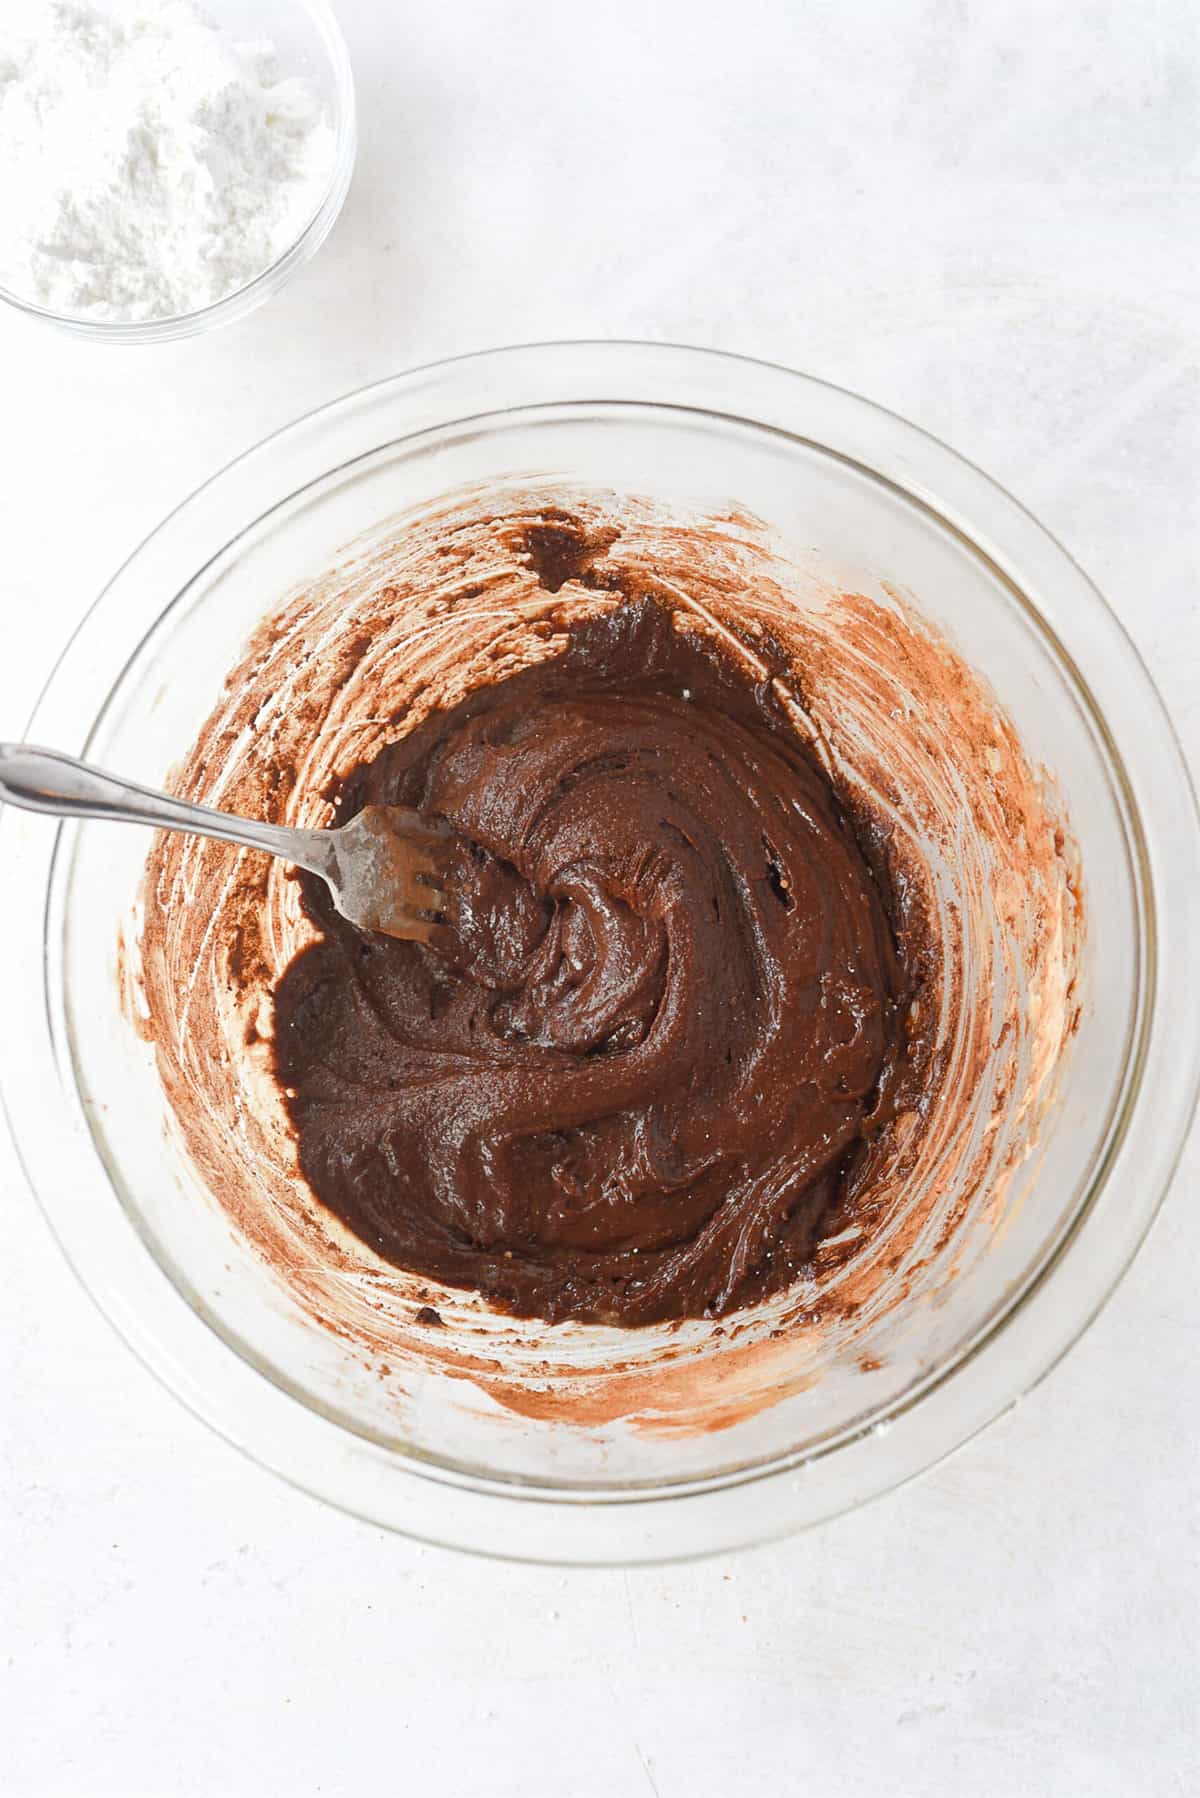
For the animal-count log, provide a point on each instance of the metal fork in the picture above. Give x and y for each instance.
(386, 869)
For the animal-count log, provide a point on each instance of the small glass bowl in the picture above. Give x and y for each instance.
(310, 44)
(869, 493)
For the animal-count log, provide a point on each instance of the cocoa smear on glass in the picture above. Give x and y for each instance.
(966, 840)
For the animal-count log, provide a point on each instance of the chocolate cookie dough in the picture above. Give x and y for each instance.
(642, 1081)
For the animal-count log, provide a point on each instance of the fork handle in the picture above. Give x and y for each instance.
(43, 780)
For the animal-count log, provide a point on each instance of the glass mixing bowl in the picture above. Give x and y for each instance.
(873, 497)
(310, 44)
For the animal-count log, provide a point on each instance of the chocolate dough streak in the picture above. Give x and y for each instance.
(662, 1042)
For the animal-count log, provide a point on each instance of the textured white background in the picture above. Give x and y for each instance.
(986, 217)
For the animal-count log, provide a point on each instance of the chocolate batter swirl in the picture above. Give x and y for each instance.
(644, 1079)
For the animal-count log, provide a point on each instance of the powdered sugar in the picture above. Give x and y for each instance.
(151, 163)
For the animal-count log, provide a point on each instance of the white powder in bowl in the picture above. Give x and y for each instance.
(149, 163)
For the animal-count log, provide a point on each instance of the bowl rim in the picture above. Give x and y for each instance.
(252, 293)
(679, 1522)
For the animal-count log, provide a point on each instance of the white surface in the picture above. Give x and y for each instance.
(986, 218)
